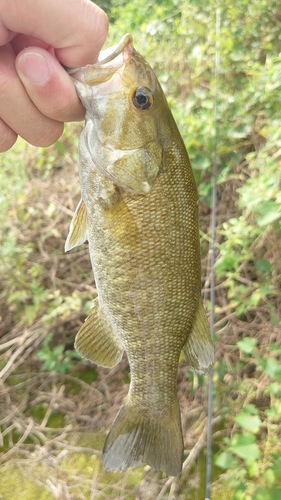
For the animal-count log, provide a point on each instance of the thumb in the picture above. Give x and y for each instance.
(48, 85)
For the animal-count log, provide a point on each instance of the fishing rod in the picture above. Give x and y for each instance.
(212, 259)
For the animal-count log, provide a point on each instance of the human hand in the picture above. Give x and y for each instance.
(37, 95)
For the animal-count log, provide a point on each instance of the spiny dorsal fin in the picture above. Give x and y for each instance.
(199, 349)
(78, 231)
(96, 340)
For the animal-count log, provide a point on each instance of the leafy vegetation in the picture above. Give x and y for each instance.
(58, 407)
(251, 456)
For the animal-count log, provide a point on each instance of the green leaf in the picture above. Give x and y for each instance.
(274, 412)
(251, 409)
(248, 422)
(275, 348)
(271, 367)
(60, 147)
(225, 460)
(263, 493)
(200, 162)
(269, 476)
(30, 313)
(274, 388)
(57, 351)
(268, 213)
(240, 493)
(276, 493)
(263, 266)
(245, 446)
(247, 345)
(252, 467)
(277, 467)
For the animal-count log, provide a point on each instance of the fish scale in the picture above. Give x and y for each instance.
(139, 212)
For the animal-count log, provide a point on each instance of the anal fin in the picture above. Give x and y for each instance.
(199, 348)
(96, 340)
(78, 231)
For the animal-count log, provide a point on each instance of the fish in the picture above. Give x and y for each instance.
(139, 213)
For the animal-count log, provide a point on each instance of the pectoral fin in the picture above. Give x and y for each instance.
(78, 231)
(96, 341)
(199, 349)
(137, 169)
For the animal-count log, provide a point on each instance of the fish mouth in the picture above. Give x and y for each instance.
(124, 47)
(109, 61)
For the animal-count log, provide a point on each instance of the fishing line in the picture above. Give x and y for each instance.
(212, 258)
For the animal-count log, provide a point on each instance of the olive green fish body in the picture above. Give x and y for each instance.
(140, 215)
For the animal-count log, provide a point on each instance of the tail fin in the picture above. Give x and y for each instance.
(138, 437)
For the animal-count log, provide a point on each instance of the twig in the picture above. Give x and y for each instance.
(20, 441)
(8, 344)
(195, 451)
(78, 449)
(51, 405)
(25, 341)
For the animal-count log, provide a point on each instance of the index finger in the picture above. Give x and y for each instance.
(77, 29)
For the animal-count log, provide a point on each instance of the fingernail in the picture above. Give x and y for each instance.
(34, 68)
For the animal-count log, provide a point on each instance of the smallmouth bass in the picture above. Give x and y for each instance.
(139, 212)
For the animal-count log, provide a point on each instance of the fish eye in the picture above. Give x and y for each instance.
(142, 98)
